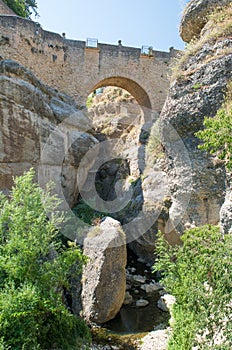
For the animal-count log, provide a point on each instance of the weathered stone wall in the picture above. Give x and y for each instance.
(70, 66)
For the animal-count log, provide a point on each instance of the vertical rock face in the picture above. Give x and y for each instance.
(197, 184)
(104, 276)
(195, 17)
(40, 127)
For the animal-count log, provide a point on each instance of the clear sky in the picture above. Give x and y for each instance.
(135, 22)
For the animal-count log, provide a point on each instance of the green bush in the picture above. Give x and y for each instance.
(198, 274)
(87, 214)
(217, 135)
(89, 101)
(34, 270)
(23, 8)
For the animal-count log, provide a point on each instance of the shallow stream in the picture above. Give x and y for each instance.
(133, 322)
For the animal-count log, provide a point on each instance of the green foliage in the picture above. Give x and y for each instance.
(197, 86)
(34, 270)
(23, 8)
(89, 101)
(87, 214)
(184, 329)
(198, 274)
(3, 345)
(154, 150)
(217, 135)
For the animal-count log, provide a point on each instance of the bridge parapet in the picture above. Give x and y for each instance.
(73, 67)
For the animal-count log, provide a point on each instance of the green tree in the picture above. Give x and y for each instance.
(217, 135)
(23, 8)
(35, 270)
(198, 273)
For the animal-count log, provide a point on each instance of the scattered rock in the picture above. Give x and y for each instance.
(128, 299)
(139, 279)
(155, 340)
(133, 269)
(166, 302)
(226, 209)
(151, 288)
(141, 303)
(101, 347)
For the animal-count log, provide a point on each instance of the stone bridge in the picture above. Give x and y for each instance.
(77, 68)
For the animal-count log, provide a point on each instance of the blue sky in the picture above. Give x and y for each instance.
(135, 22)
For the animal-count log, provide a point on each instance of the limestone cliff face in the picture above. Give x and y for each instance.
(117, 116)
(197, 180)
(195, 17)
(30, 112)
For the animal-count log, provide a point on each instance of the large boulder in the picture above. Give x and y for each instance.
(104, 276)
(195, 17)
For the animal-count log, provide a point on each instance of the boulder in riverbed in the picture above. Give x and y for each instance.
(104, 276)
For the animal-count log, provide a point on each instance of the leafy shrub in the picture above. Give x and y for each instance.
(86, 213)
(34, 270)
(154, 148)
(217, 135)
(89, 101)
(198, 274)
(23, 8)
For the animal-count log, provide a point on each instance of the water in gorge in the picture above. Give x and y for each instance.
(133, 322)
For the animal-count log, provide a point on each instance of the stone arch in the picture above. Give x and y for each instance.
(130, 85)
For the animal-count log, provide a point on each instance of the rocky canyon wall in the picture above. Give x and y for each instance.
(30, 113)
(198, 184)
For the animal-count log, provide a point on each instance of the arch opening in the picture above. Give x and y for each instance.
(129, 85)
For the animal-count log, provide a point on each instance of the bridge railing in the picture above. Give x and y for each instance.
(92, 42)
(147, 50)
